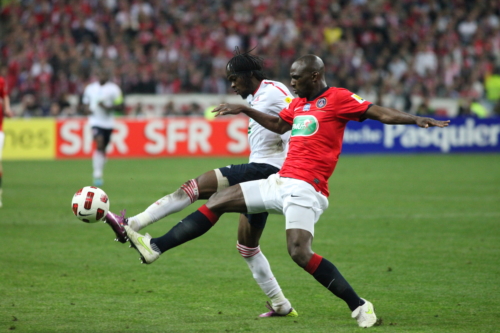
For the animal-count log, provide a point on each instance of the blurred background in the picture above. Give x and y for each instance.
(434, 57)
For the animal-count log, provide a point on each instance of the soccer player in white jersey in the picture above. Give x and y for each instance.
(101, 99)
(268, 151)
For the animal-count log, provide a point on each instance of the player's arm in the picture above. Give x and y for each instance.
(396, 117)
(7, 110)
(272, 123)
(116, 106)
(86, 110)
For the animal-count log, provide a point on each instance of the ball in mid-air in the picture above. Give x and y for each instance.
(90, 204)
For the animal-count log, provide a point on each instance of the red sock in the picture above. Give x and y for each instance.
(313, 263)
(211, 216)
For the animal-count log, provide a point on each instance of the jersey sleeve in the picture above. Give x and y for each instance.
(118, 96)
(350, 106)
(287, 113)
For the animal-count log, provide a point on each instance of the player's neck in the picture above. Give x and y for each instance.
(317, 92)
(255, 85)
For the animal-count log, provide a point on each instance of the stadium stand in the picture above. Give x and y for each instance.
(428, 48)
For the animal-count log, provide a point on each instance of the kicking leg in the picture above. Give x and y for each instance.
(228, 200)
(200, 188)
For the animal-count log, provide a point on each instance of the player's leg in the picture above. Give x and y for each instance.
(301, 216)
(193, 226)
(202, 187)
(239, 198)
(249, 232)
(101, 139)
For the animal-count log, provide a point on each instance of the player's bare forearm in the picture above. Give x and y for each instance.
(8, 110)
(86, 110)
(396, 117)
(272, 123)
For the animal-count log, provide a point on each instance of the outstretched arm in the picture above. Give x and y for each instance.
(393, 116)
(272, 123)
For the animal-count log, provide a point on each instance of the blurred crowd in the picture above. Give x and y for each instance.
(395, 49)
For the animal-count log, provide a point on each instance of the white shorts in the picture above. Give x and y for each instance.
(301, 204)
(2, 139)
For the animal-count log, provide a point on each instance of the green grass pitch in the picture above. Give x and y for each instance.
(418, 235)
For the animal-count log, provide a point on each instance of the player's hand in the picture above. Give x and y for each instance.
(227, 109)
(429, 122)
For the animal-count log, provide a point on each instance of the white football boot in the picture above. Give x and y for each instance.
(142, 243)
(365, 314)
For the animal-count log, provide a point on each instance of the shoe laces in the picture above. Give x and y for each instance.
(122, 214)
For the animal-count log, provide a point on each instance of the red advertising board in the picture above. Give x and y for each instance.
(159, 137)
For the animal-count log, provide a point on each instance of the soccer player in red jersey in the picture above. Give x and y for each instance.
(317, 119)
(4, 111)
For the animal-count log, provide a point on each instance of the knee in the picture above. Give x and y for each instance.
(300, 254)
(228, 200)
(217, 203)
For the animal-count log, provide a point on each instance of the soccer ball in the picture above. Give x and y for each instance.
(90, 204)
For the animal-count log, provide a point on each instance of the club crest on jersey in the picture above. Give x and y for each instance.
(321, 103)
(306, 107)
(304, 126)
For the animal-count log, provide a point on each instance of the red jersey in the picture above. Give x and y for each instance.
(3, 93)
(317, 134)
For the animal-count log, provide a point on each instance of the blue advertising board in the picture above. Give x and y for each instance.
(463, 135)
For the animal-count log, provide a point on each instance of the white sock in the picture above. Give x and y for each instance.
(98, 161)
(169, 204)
(261, 271)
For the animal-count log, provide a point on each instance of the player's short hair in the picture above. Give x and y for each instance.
(245, 63)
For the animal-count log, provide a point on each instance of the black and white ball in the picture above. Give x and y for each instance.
(90, 204)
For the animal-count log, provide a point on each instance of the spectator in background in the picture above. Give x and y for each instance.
(492, 86)
(169, 109)
(424, 109)
(356, 39)
(146, 84)
(30, 107)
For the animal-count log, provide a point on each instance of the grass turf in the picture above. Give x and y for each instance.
(418, 235)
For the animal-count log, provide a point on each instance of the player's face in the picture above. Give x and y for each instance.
(103, 77)
(301, 79)
(240, 85)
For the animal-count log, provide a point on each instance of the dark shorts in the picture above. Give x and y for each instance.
(241, 173)
(104, 132)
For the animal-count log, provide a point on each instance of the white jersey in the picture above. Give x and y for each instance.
(266, 146)
(110, 94)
